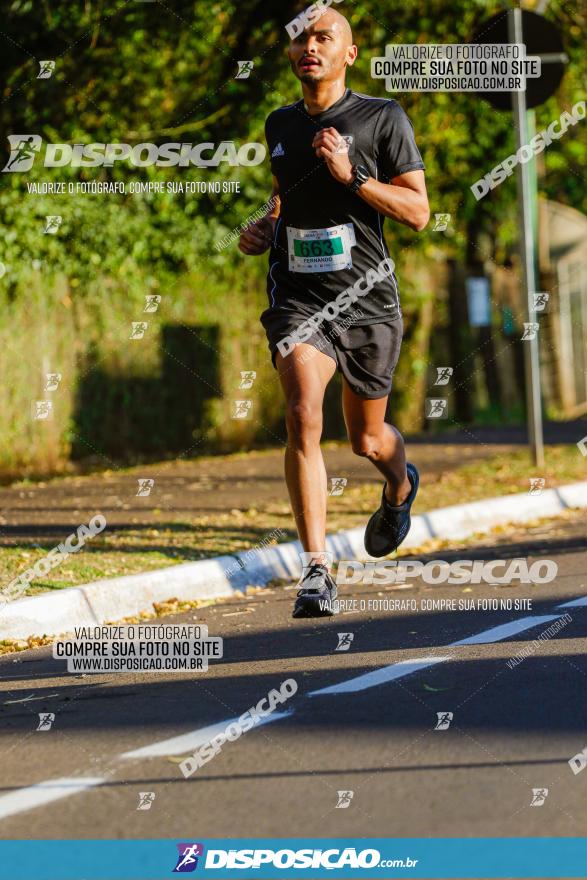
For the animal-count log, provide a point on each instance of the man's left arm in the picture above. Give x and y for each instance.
(403, 199)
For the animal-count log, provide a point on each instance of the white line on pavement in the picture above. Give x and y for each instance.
(407, 667)
(54, 789)
(505, 630)
(43, 793)
(574, 603)
(186, 742)
(379, 676)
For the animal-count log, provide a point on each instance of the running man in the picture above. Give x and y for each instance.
(341, 162)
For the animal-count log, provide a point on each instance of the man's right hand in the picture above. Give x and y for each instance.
(256, 238)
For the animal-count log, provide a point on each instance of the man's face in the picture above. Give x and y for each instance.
(321, 52)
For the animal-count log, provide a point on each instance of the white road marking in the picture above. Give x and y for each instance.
(43, 793)
(379, 676)
(407, 667)
(28, 699)
(54, 789)
(496, 633)
(574, 603)
(186, 743)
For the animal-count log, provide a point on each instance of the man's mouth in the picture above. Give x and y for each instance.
(308, 63)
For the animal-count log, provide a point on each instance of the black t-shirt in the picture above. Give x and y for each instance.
(381, 138)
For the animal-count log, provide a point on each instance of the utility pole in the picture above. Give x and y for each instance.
(526, 201)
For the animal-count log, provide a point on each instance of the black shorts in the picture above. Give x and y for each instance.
(365, 355)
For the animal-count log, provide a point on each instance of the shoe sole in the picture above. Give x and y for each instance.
(311, 608)
(392, 548)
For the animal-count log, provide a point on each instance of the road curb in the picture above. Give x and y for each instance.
(223, 576)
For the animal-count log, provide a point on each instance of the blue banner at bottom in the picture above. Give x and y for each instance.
(271, 858)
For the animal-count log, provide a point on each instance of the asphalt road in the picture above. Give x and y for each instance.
(513, 729)
(201, 486)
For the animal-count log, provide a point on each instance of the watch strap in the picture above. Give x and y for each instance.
(361, 175)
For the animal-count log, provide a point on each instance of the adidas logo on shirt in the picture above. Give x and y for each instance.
(278, 151)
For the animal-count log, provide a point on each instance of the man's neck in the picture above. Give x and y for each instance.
(321, 96)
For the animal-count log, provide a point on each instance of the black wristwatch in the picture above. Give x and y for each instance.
(361, 176)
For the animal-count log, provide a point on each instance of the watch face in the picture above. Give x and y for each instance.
(362, 173)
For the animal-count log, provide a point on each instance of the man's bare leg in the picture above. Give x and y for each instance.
(371, 436)
(304, 375)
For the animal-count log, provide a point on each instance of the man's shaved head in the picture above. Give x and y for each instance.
(328, 42)
(328, 20)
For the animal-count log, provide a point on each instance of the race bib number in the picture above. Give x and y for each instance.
(320, 250)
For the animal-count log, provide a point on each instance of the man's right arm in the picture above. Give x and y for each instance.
(256, 238)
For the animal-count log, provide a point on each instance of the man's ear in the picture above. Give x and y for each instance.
(351, 57)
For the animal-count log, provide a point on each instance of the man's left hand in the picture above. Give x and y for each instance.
(330, 146)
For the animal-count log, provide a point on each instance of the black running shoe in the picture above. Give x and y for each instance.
(389, 525)
(317, 593)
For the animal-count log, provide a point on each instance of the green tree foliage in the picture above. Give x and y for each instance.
(157, 71)
(137, 71)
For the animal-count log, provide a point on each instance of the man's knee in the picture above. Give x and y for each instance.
(303, 420)
(366, 445)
